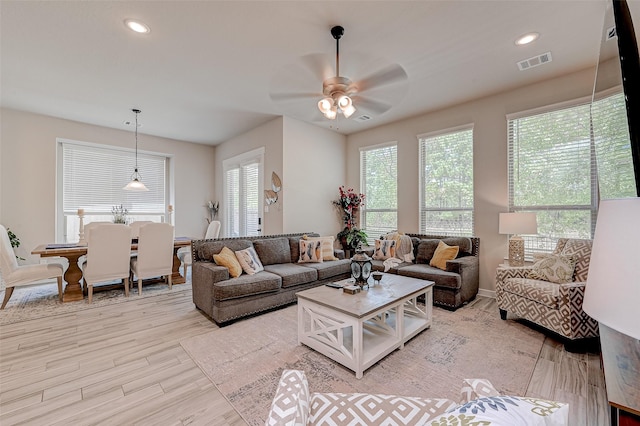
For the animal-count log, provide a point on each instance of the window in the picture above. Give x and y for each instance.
(91, 177)
(379, 183)
(446, 182)
(553, 169)
(242, 193)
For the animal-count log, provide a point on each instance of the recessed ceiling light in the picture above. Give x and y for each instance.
(527, 38)
(136, 26)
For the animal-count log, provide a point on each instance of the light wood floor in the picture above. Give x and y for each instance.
(122, 364)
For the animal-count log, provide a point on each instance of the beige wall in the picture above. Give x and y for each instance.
(269, 137)
(314, 168)
(28, 173)
(490, 156)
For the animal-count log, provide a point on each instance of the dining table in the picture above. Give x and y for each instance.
(73, 291)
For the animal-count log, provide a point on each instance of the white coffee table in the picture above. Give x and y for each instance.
(358, 330)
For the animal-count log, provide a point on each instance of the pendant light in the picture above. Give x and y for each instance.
(136, 184)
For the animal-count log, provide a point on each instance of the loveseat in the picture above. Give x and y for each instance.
(454, 286)
(552, 296)
(225, 298)
(480, 404)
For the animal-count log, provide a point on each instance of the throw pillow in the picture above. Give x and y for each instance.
(228, 259)
(580, 250)
(443, 253)
(249, 260)
(555, 269)
(506, 410)
(310, 251)
(327, 246)
(384, 249)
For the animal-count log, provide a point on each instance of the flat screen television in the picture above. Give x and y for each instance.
(619, 70)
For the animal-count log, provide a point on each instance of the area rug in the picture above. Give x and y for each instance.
(245, 359)
(41, 301)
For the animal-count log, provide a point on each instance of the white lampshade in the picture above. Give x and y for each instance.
(612, 292)
(518, 223)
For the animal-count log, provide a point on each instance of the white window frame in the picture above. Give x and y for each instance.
(61, 217)
(424, 210)
(237, 162)
(363, 189)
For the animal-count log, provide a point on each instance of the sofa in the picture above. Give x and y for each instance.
(454, 286)
(226, 299)
(541, 294)
(480, 404)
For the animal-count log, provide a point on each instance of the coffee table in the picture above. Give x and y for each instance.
(358, 330)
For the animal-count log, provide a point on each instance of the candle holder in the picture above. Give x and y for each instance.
(81, 240)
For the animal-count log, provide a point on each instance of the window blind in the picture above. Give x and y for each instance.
(242, 193)
(379, 183)
(446, 182)
(250, 173)
(93, 178)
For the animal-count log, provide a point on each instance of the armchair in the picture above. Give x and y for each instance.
(556, 307)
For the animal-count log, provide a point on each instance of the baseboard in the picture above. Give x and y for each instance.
(487, 293)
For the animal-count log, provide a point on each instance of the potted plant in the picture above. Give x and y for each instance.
(349, 202)
(15, 242)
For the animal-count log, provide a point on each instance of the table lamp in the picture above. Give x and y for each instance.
(612, 292)
(515, 224)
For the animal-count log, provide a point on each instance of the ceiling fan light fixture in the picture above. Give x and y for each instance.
(332, 113)
(344, 101)
(348, 111)
(325, 104)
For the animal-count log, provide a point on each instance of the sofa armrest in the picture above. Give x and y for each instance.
(339, 253)
(203, 276)
(468, 268)
(576, 323)
(502, 274)
(290, 405)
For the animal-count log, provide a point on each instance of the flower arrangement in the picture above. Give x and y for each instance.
(213, 208)
(349, 202)
(119, 214)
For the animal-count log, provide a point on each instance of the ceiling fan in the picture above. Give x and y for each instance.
(382, 86)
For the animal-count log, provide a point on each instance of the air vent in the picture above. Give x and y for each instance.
(363, 118)
(611, 33)
(535, 61)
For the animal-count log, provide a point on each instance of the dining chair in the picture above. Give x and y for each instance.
(16, 275)
(155, 253)
(184, 253)
(108, 255)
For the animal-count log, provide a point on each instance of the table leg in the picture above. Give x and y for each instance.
(176, 278)
(73, 289)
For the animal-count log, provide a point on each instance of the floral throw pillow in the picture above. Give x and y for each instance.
(506, 410)
(384, 249)
(249, 261)
(310, 251)
(555, 269)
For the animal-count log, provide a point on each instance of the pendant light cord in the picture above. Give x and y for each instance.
(136, 111)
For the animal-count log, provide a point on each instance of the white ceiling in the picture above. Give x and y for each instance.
(205, 72)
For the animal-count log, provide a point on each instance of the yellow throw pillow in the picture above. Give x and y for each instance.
(228, 259)
(443, 253)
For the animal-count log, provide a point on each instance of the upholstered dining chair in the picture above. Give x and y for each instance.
(15, 275)
(108, 255)
(155, 253)
(184, 253)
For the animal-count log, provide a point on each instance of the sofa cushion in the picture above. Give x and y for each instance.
(330, 269)
(426, 272)
(228, 259)
(246, 285)
(207, 249)
(310, 251)
(370, 409)
(426, 248)
(443, 253)
(464, 243)
(292, 274)
(249, 260)
(538, 291)
(507, 410)
(554, 268)
(273, 250)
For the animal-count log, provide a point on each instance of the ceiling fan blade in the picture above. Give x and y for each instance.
(288, 97)
(390, 74)
(370, 105)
